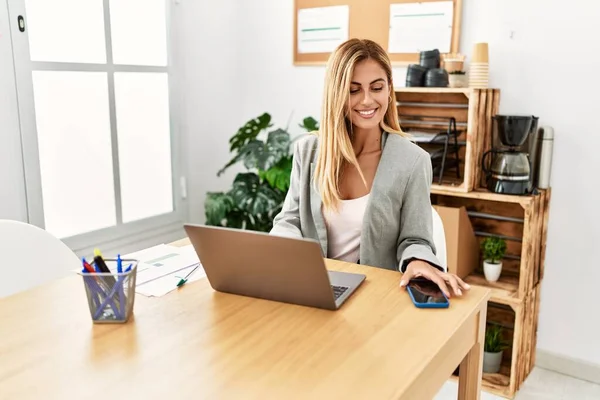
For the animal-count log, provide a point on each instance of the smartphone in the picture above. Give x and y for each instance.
(426, 294)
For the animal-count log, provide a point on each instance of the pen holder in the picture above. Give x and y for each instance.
(111, 295)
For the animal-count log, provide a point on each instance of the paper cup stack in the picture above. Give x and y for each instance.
(479, 70)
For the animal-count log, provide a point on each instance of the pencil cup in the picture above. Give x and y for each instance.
(111, 295)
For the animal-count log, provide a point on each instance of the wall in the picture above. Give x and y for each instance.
(271, 83)
(545, 69)
(12, 184)
(210, 71)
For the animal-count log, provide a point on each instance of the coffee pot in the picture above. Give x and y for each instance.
(508, 165)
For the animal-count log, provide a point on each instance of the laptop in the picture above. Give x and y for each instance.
(256, 264)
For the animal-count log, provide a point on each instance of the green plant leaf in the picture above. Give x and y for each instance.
(278, 176)
(217, 206)
(263, 156)
(493, 248)
(260, 222)
(236, 219)
(244, 136)
(310, 124)
(494, 340)
(253, 196)
(250, 131)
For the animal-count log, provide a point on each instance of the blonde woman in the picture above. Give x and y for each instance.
(359, 186)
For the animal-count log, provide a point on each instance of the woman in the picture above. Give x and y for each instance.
(360, 187)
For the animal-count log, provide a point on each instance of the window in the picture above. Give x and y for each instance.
(96, 118)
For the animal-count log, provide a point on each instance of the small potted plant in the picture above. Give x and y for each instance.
(457, 79)
(493, 249)
(493, 349)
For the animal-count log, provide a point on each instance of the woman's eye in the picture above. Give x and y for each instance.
(377, 89)
(353, 91)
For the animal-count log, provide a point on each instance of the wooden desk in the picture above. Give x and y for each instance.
(199, 344)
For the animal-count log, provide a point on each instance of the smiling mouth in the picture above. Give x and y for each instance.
(367, 113)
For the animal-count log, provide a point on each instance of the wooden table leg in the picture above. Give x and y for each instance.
(469, 381)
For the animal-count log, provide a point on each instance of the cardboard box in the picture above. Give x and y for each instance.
(462, 247)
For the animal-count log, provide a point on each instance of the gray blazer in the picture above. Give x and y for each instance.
(397, 225)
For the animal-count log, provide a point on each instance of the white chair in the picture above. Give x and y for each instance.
(439, 238)
(30, 257)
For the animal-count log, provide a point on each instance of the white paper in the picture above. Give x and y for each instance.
(422, 137)
(416, 27)
(322, 29)
(161, 267)
(168, 283)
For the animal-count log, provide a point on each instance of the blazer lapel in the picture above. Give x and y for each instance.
(366, 224)
(315, 206)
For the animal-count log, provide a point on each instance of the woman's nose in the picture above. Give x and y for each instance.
(367, 99)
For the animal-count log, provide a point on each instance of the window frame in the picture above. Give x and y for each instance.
(160, 226)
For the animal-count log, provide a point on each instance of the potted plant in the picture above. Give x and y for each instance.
(493, 249)
(493, 349)
(257, 194)
(457, 79)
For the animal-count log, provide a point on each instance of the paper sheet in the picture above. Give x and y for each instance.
(416, 27)
(422, 137)
(322, 29)
(161, 267)
(168, 283)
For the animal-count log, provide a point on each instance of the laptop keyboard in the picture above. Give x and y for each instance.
(338, 291)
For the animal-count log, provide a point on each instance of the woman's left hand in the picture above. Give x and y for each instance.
(418, 268)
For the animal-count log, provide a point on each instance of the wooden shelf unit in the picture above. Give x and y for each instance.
(514, 304)
(522, 221)
(472, 109)
(520, 330)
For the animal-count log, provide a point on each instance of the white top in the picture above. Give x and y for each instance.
(343, 229)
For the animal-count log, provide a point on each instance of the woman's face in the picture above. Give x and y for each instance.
(369, 95)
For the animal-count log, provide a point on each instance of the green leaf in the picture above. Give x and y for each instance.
(217, 206)
(245, 135)
(310, 124)
(494, 340)
(236, 219)
(250, 131)
(278, 175)
(263, 156)
(493, 248)
(253, 196)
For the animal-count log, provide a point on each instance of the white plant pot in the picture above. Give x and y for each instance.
(457, 81)
(492, 362)
(492, 270)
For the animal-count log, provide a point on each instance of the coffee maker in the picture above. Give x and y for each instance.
(511, 166)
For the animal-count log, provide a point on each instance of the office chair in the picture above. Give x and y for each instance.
(439, 238)
(31, 257)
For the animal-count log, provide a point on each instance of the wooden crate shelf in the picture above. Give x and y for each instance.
(521, 220)
(472, 109)
(504, 291)
(520, 331)
(515, 299)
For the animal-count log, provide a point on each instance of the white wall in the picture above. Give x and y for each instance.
(546, 69)
(271, 83)
(210, 71)
(12, 184)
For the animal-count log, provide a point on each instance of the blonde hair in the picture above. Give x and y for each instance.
(335, 145)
